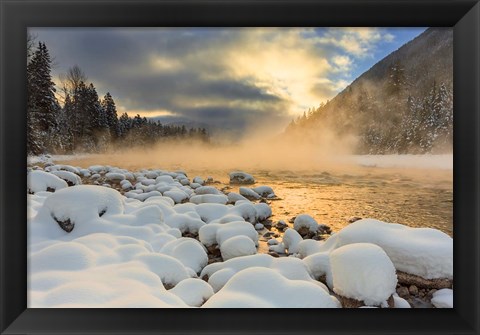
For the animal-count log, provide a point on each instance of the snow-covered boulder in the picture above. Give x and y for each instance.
(237, 246)
(239, 177)
(305, 221)
(363, 271)
(207, 190)
(291, 240)
(194, 292)
(234, 197)
(70, 177)
(215, 233)
(177, 195)
(263, 211)
(249, 193)
(266, 288)
(209, 199)
(185, 223)
(38, 181)
(80, 204)
(115, 176)
(188, 251)
(443, 298)
(291, 268)
(423, 252)
(264, 191)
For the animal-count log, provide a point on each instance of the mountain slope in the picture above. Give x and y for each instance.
(403, 104)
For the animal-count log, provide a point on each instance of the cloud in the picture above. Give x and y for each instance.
(230, 77)
(359, 42)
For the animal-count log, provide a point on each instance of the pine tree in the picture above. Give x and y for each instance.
(42, 105)
(111, 114)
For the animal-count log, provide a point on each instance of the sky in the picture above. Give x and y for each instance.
(228, 78)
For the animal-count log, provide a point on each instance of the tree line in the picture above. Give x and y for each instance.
(81, 121)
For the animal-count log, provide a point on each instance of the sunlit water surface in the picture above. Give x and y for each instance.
(417, 194)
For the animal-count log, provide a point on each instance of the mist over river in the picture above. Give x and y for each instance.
(414, 190)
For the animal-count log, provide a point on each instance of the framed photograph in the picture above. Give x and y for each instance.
(207, 166)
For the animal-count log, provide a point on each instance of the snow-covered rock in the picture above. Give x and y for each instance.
(264, 191)
(209, 198)
(237, 246)
(207, 190)
(363, 272)
(194, 292)
(249, 193)
(68, 176)
(234, 197)
(114, 176)
(305, 221)
(239, 177)
(266, 288)
(291, 240)
(263, 211)
(443, 298)
(38, 181)
(424, 252)
(188, 251)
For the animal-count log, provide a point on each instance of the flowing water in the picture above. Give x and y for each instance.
(412, 190)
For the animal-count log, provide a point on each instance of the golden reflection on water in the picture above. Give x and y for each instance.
(413, 197)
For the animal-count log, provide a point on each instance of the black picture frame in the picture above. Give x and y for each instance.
(16, 16)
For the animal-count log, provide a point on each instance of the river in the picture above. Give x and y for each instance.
(412, 190)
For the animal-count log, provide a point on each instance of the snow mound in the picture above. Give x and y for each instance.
(234, 197)
(264, 191)
(207, 190)
(68, 176)
(291, 240)
(216, 233)
(237, 246)
(291, 268)
(305, 221)
(38, 181)
(239, 177)
(263, 211)
(424, 252)
(188, 251)
(443, 298)
(249, 193)
(80, 204)
(265, 288)
(363, 272)
(170, 270)
(209, 198)
(115, 176)
(194, 292)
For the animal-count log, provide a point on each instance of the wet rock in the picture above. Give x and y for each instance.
(214, 250)
(409, 279)
(267, 223)
(353, 219)
(403, 292)
(391, 302)
(413, 290)
(274, 254)
(305, 232)
(281, 225)
(324, 230)
(349, 303)
(419, 303)
(66, 225)
(268, 234)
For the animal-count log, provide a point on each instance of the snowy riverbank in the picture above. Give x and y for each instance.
(155, 238)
